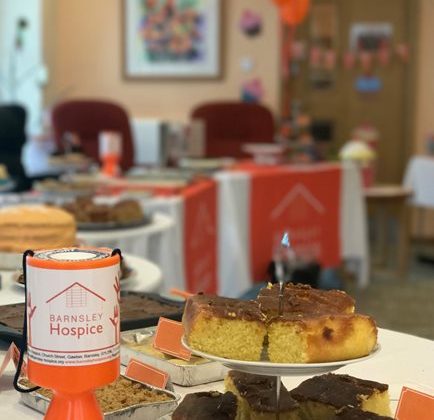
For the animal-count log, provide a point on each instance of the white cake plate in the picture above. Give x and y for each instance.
(280, 369)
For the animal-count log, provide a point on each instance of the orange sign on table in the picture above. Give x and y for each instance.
(147, 374)
(415, 405)
(181, 293)
(168, 339)
(13, 354)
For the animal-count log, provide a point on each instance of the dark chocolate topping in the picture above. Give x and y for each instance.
(336, 390)
(301, 299)
(260, 392)
(207, 405)
(227, 307)
(357, 414)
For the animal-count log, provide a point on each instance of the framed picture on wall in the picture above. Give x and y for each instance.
(172, 38)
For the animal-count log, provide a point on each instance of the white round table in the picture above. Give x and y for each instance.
(144, 241)
(146, 277)
(404, 360)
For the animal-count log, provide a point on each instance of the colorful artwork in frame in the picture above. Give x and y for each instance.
(172, 38)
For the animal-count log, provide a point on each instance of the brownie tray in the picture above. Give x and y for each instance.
(11, 316)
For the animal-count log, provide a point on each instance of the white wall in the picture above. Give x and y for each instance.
(28, 61)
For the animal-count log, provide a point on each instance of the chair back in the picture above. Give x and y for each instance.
(230, 124)
(12, 139)
(87, 119)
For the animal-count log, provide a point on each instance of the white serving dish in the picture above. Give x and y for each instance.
(281, 369)
(265, 153)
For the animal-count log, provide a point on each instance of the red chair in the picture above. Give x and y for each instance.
(228, 125)
(88, 118)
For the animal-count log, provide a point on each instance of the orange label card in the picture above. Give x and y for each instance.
(13, 354)
(146, 374)
(180, 293)
(168, 339)
(415, 405)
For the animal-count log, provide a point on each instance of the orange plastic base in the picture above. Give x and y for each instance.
(73, 388)
(73, 380)
(82, 406)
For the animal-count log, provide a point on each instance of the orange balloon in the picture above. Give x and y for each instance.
(293, 12)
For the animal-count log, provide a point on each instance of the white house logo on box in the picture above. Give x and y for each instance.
(73, 322)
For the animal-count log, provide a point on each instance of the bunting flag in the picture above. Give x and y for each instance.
(315, 57)
(349, 60)
(403, 52)
(330, 59)
(384, 55)
(366, 61)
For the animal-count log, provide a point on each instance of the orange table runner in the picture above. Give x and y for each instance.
(200, 236)
(305, 201)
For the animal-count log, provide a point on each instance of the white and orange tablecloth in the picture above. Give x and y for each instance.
(321, 206)
(226, 228)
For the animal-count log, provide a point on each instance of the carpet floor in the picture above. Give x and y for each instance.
(405, 305)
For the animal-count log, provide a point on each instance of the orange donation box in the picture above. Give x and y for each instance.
(73, 329)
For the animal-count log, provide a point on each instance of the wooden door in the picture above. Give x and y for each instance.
(389, 110)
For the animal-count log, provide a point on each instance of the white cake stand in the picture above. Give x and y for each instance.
(280, 369)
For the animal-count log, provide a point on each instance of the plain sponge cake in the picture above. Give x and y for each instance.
(226, 327)
(35, 227)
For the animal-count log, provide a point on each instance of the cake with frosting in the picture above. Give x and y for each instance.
(349, 413)
(302, 299)
(257, 397)
(327, 396)
(314, 326)
(226, 327)
(208, 405)
(35, 227)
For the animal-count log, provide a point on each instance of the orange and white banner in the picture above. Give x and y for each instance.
(321, 206)
(304, 203)
(200, 237)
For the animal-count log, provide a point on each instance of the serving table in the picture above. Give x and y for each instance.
(404, 360)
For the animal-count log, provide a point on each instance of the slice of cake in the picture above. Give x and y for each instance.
(322, 397)
(257, 397)
(35, 227)
(314, 338)
(206, 406)
(357, 414)
(228, 328)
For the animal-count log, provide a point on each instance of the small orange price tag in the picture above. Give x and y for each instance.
(147, 374)
(180, 293)
(13, 354)
(415, 405)
(168, 339)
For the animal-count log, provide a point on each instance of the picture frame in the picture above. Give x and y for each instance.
(172, 39)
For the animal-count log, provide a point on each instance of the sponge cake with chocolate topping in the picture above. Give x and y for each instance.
(207, 405)
(316, 338)
(322, 397)
(316, 325)
(226, 327)
(301, 298)
(257, 397)
(357, 414)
